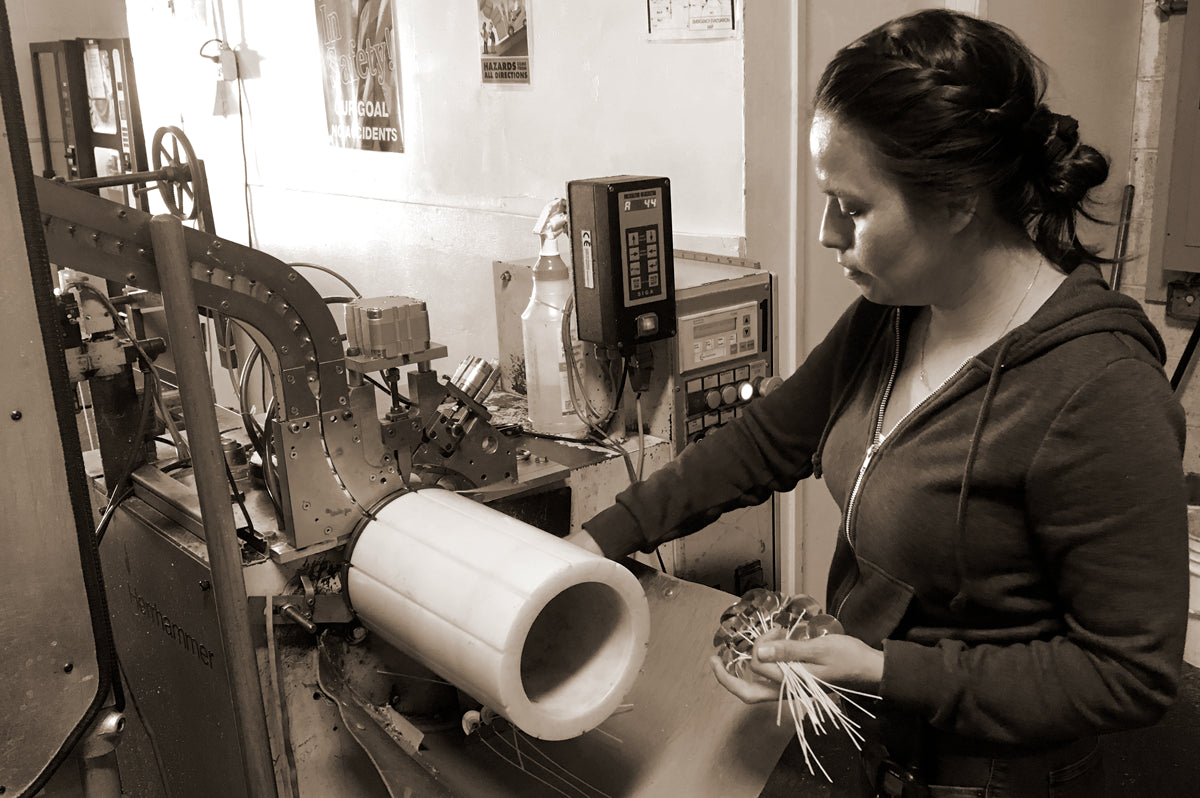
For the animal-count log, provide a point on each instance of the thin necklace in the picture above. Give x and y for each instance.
(924, 338)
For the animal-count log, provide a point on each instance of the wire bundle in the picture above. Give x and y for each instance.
(766, 614)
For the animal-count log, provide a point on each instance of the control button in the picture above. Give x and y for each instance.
(745, 391)
(693, 386)
(711, 420)
(745, 332)
(741, 373)
(652, 280)
(727, 416)
(745, 319)
(652, 235)
(635, 283)
(766, 385)
(720, 341)
(708, 344)
(695, 425)
(710, 381)
(635, 268)
(652, 264)
(635, 254)
(713, 399)
(726, 377)
(647, 324)
(652, 251)
(633, 238)
(729, 394)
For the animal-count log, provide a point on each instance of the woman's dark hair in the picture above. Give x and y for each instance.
(954, 105)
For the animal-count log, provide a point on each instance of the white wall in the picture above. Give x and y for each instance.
(479, 161)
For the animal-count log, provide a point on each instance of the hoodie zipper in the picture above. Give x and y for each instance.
(877, 439)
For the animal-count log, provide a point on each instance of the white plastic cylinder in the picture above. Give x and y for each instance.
(546, 634)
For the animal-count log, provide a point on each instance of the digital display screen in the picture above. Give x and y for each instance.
(641, 204)
(727, 324)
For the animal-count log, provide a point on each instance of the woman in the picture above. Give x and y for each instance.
(993, 421)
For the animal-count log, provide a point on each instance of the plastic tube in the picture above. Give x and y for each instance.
(546, 634)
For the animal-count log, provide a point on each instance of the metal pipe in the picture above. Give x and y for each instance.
(220, 538)
(171, 173)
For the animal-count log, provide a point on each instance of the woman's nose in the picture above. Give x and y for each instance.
(836, 227)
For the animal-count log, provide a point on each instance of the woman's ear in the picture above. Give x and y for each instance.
(960, 211)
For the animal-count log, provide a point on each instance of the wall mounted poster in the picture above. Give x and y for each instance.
(504, 41)
(361, 74)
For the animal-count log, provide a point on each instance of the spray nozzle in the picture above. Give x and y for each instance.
(552, 221)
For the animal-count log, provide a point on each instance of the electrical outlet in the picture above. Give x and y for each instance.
(227, 64)
(1183, 301)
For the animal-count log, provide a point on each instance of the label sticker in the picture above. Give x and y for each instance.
(589, 269)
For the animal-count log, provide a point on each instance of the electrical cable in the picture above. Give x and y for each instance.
(241, 86)
(180, 445)
(329, 271)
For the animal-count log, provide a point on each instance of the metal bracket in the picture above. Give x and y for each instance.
(1171, 7)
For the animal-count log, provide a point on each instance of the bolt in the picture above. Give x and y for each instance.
(339, 369)
(312, 377)
(216, 244)
(373, 477)
(669, 592)
(131, 278)
(523, 454)
(306, 505)
(68, 667)
(506, 276)
(294, 427)
(294, 455)
(341, 400)
(328, 530)
(283, 350)
(291, 378)
(121, 214)
(95, 238)
(291, 277)
(71, 229)
(15, 415)
(205, 585)
(295, 410)
(358, 634)
(347, 414)
(224, 304)
(357, 439)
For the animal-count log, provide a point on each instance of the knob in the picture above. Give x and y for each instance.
(745, 391)
(729, 394)
(713, 399)
(765, 385)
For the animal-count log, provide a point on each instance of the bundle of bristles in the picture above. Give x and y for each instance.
(764, 613)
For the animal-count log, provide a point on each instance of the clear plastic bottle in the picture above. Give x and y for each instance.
(550, 409)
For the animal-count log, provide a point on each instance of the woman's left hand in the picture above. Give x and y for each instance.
(838, 659)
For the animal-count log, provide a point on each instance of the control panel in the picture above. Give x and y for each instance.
(724, 347)
(622, 248)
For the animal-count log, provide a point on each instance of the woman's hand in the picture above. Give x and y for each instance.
(838, 659)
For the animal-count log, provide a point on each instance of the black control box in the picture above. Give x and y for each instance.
(622, 248)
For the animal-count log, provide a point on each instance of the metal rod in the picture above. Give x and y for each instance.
(208, 460)
(1122, 237)
(171, 173)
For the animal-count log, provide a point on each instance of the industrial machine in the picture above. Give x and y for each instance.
(308, 592)
(721, 358)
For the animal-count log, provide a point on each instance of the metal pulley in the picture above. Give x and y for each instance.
(173, 159)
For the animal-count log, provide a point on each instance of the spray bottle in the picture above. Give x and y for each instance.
(550, 408)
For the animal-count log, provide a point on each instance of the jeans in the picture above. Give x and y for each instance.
(1074, 770)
